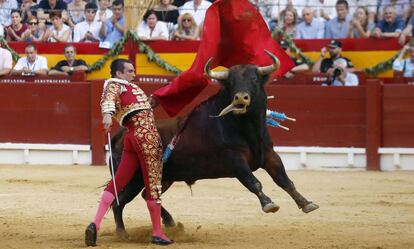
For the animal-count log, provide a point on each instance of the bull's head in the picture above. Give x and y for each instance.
(243, 82)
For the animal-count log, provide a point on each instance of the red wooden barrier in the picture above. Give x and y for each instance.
(373, 123)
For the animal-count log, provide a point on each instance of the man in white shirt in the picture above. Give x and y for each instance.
(197, 8)
(341, 75)
(6, 61)
(32, 64)
(88, 30)
(406, 66)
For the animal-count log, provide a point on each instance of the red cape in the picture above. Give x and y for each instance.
(234, 33)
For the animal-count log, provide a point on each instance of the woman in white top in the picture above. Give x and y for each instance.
(58, 32)
(152, 29)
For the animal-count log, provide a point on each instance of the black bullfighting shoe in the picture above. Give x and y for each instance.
(90, 235)
(160, 241)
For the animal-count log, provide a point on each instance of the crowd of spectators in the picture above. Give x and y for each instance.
(103, 21)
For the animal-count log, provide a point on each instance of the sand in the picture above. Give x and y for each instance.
(49, 206)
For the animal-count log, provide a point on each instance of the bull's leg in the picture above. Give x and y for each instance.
(274, 166)
(131, 190)
(167, 219)
(246, 177)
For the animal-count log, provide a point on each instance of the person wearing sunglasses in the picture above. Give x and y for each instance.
(187, 28)
(70, 65)
(34, 33)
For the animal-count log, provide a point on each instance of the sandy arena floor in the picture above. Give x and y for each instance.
(50, 206)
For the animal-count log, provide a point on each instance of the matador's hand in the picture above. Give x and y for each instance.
(107, 121)
(154, 102)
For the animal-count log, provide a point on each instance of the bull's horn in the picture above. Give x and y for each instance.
(271, 68)
(222, 75)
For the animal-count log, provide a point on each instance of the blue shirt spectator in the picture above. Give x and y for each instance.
(112, 30)
(391, 26)
(338, 27)
(48, 5)
(387, 27)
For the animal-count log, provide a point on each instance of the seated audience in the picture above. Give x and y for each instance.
(6, 6)
(325, 65)
(104, 11)
(46, 6)
(408, 30)
(88, 30)
(289, 18)
(187, 29)
(27, 9)
(32, 64)
(58, 32)
(76, 10)
(112, 29)
(402, 8)
(341, 76)
(370, 5)
(166, 12)
(338, 27)
(70, 65)
(14, 31)
(310, 27)
(300, 66)
(6, 61)
(390, 26)
(1, 30)
(360, 26)
(406, 66)
(34, 33)
(152, 29)
(197, 8)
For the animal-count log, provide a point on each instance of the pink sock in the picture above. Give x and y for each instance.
(154, 209)
(106, 201)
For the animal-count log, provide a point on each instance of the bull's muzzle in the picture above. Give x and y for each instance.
(239, 105)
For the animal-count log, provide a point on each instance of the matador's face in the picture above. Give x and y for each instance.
(128, 74)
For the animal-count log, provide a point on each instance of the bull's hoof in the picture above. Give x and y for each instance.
(270, 208)
(310, 207)
(122, 234)
(90, 235)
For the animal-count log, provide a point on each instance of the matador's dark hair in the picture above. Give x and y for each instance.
(118, 65)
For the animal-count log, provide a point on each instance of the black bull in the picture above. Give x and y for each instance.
(232, 145)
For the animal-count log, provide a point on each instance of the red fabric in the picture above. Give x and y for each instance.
(234, 33)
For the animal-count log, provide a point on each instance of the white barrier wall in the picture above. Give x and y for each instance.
(294, 158)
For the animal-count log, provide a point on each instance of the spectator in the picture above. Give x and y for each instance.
(325, 65)
(402, 8)
(187, 29)
(34, 33)
(324, 9)
(300, 66)
(88, 30)
(197, 8)
(76, 11)
(310, 28)
(112, 29)
(406, 66)
(341, 76)
(70, 65)
(370, 5)
(166, 12)
(14, 31)
(152, 29)
(265, 8)
(6, 6)
(32, 64)
(408, 30)
(103, 12)
(6, 61)
(27, 10)
(360, 26)
(390, 26)
(46, 6)
(58, 32)
(338, 27)
(289, 19)
(1, 30)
